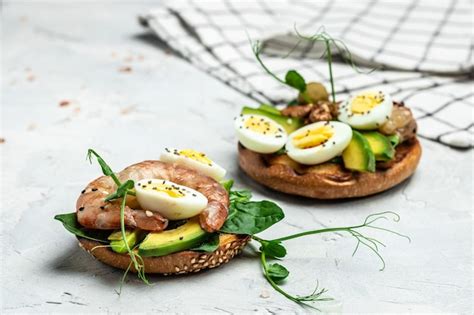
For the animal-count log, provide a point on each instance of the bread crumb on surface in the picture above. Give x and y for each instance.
(64, 103)
(125, 69)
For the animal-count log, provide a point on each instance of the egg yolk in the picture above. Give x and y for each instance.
(260, 125)
(311, 138)
(171, 190)
(195, 155)
(365, 102)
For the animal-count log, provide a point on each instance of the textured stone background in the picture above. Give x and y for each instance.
(82, 75)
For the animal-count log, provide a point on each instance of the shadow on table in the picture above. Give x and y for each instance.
(243, 180)
(74, 260)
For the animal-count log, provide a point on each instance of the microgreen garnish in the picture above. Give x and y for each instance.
(105, 168)
(123, 190)
(275, 273)
(293, 78)
(250, 217)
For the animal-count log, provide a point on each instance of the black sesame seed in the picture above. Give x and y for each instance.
(102, 207)
(194, 195)
(144, 186)
(83, 191)
(81, 208)
(94, 189)
(181, 238)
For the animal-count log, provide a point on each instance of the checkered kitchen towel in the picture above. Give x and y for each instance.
(422, 48)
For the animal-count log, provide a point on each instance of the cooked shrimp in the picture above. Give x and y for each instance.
(93, 212)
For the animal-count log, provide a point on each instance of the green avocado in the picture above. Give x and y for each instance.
(358, 155)
(166, 242)
(118, 245)
(290, 124)
(380, 145)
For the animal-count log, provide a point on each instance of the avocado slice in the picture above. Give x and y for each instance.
(269, 108)
(166, 242)
(358, 155)
(380, 145)
(394, 140)
(118, 245)
(290, 124)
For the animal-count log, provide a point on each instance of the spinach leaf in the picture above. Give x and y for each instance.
(273, 249)
(210, 244)
(227, 184)
(252, 217)
(281, 151)
(69, 221)
(120, 192)
(294, 79)
(240, 196)
(277, 272)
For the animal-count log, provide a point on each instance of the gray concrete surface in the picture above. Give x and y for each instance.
(129, 99)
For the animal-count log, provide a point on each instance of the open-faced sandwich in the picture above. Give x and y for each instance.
(328, 149)
(166, 208)
(177, 215)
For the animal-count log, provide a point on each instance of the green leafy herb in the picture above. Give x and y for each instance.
(107, 171)
(210, 245)
(277, 272)
(274, 273)
(330, 42)
(121, 190)
(281, 151)
(239, 196)
(134, 257)
(295, 80)
(105, 167)
(272, 248)
(227, 184)
(69, 221)
(252, 217)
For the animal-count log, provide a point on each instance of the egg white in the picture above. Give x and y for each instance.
(212, 169)
(172, 208)
(376, 117)
(257, 141)
(342, 135)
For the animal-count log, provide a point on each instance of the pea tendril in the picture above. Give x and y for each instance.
(275, 248)
(123, 190)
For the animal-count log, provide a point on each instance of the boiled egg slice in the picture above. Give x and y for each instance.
(194, 160)
(318, 142)
(366, 110)
(173, 201)
(260, 134)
